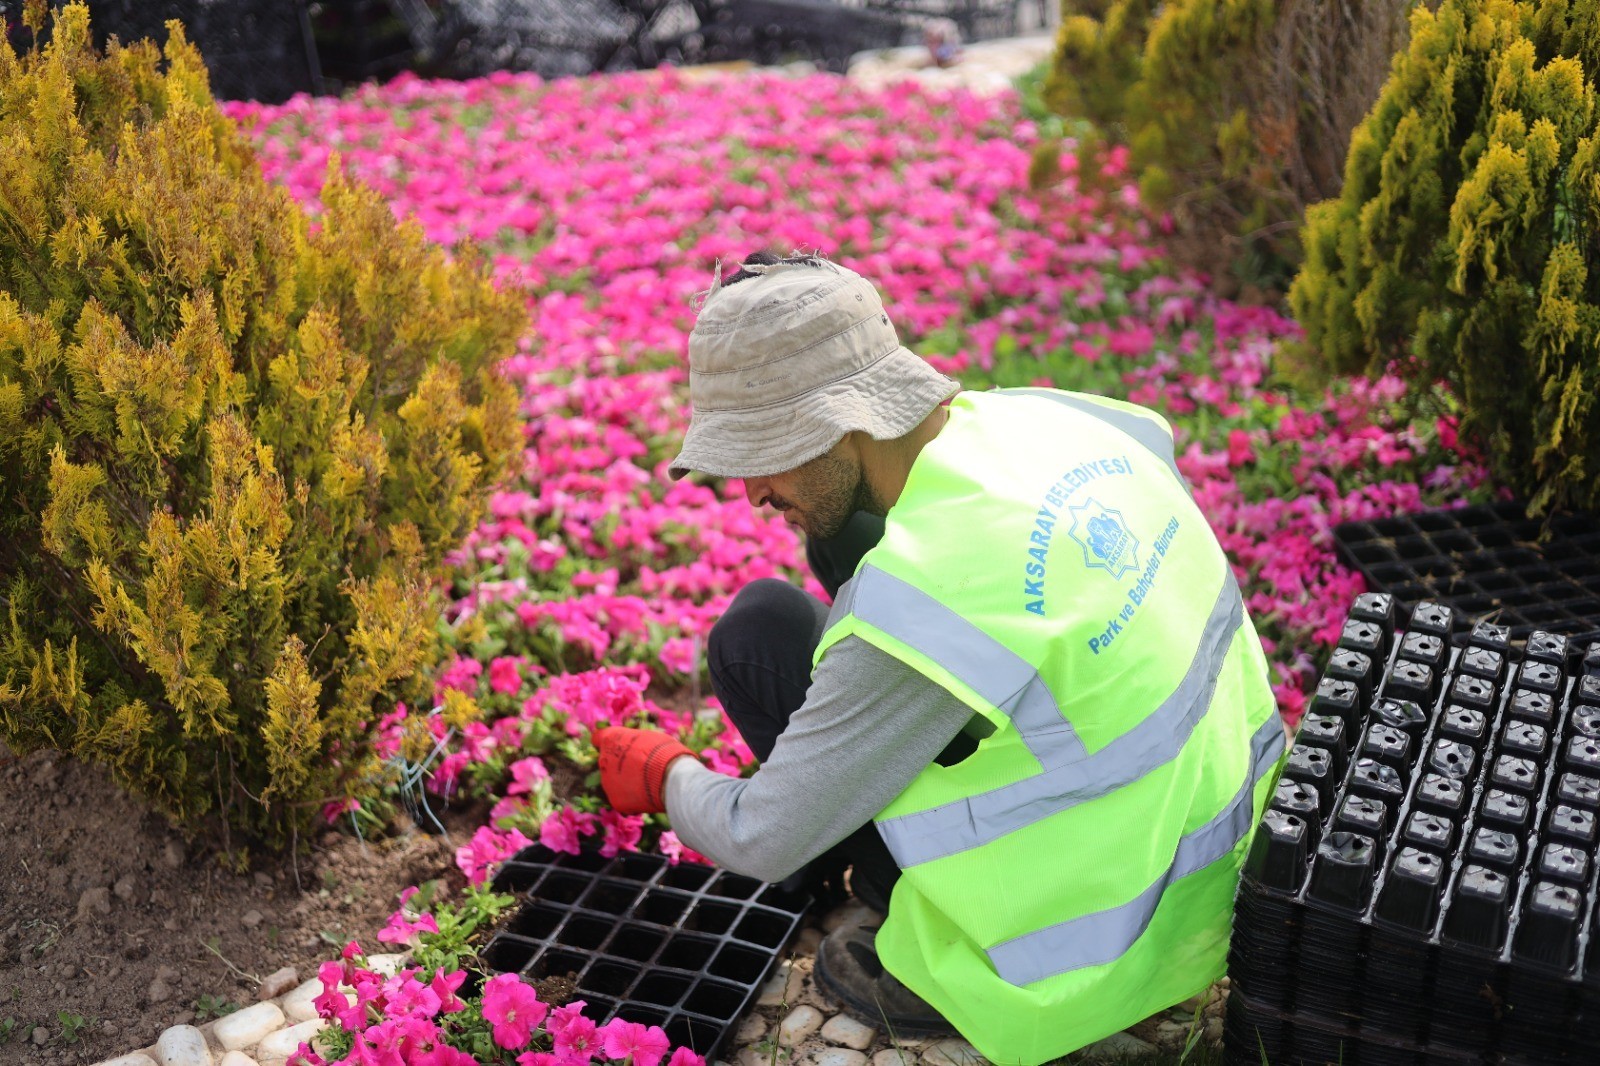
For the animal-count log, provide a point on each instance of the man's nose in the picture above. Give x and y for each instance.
(757, 490)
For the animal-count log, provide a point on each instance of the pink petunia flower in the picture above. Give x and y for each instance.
(565, 1015)
(1241, 449)
(332, 810)
(577, 1040)
(540, 1058)
(677, 851)
(505, 674)
(563, 830)
(526, 775)
(487, 848)
(403, 930)
(305, 1055)
(460, 674)
(622, 832)
(513, 1009)
(406, 997)
(443, 1055)
(444, 986)
(645, 1045)
(334, 1003)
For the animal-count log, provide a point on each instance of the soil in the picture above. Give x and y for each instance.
(109, 915)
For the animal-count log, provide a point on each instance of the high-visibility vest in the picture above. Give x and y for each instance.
(1046, 564)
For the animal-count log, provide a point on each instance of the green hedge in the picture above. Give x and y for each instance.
(234, 443)
(1464, 244)
(1237, 112)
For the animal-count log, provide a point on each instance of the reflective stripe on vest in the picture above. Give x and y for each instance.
(974, 658)
(1102, 937)
(972, 822)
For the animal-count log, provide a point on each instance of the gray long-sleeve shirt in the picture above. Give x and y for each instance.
(869, 725)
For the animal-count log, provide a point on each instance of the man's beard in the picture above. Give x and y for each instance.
(841, 491)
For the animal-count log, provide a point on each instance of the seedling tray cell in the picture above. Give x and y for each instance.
(683, 947)
(1424, 884)
(1487, 563)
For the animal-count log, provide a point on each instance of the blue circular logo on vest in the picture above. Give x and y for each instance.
(1105, 538)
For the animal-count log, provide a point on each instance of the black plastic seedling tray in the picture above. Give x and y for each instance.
(1422, 887)
(1485, 562)
(684, 947)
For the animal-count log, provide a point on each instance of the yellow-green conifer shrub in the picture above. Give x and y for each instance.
(234, 443)
(1237, 112)
(1467, 239)
(1098, 53)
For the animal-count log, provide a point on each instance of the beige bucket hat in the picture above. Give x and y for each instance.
(784, 364)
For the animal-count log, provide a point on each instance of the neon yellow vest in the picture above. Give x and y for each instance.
(1076, 874)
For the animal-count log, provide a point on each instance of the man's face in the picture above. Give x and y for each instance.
(819, 497)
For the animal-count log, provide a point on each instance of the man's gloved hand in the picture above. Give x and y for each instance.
(633, 767)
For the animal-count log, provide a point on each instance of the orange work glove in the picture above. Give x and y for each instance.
(633, 767)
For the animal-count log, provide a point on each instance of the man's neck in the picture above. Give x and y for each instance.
(887, 464)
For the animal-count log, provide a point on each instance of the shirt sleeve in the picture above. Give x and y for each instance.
(869, 725)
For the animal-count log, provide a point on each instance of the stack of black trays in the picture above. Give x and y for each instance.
(1422, 888)
(1530, 573)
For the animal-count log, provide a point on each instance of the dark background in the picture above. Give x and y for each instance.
(270, 49)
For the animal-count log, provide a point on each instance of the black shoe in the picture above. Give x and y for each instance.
(848, 969)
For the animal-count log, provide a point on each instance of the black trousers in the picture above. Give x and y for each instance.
(759, 654)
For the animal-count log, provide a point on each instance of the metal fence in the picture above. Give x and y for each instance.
(270, 49)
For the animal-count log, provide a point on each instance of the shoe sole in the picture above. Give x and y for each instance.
(871, 1012)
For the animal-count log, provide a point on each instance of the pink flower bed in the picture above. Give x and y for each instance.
(594, 581)
(420, 1018)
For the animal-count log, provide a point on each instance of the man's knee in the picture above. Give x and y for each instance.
(766, 613)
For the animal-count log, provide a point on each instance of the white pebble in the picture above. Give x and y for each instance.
(772, 992)
(951, 1052)
(245, 1028)
(183, 1045)
(276, 1048)
(1170, 1033)
(237, 1058)
(894, 1057)
(136, 1058)
(277, 983)
(297, 1005)
(753, 1028)
(837, 1056)
(388, 965)
(801, 1023)
(795, 991)
(1118, 1047)
(846, 1031)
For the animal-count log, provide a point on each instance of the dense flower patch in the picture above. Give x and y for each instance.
(587, 595)
(435, 1012)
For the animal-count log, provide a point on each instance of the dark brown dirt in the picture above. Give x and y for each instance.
(109, 916)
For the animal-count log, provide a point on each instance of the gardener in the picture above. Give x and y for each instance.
(1039, 685)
